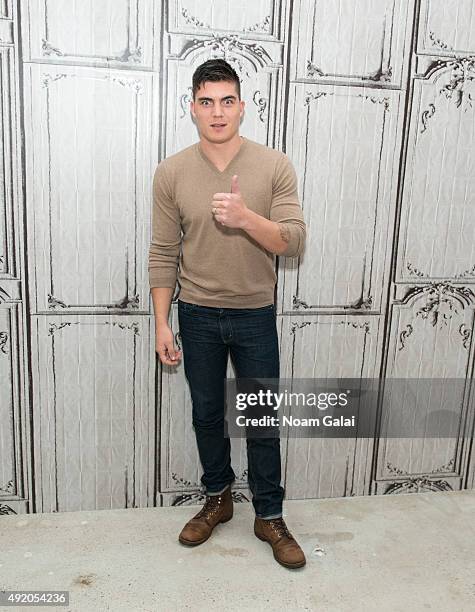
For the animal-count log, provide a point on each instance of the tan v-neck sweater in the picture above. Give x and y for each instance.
(216, 265)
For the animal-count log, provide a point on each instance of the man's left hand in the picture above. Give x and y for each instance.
(229, 209)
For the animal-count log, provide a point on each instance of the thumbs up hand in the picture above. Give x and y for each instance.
(229, 209)
(235, 185)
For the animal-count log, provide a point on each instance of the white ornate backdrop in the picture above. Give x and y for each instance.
(373, 102)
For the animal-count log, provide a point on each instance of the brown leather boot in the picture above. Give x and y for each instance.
(217, 509)
(286, 550)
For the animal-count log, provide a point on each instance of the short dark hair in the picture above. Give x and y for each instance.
(215, 70)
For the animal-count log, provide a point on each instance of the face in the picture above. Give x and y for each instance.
(217, 111)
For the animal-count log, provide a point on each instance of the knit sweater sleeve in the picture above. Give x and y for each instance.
(285, 208)
(165, 244)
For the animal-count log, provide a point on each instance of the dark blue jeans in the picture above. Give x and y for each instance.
(208, 336)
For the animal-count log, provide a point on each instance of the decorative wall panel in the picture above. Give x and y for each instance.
(328, 347)
(11, 400)
(343, 142)
(111, 32)
(261, 19)
(94, 411)
(90, 160)
(6, 9)
(365, 41)
(447, 27)
(438, 215)
(430, 338)
(8, 160)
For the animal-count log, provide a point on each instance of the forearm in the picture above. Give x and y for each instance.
(161, 297)
(268, 234)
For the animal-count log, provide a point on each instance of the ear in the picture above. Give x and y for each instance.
(243, 104)
(192, 108)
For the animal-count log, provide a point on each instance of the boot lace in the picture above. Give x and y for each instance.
(211, 506)
(280, 528)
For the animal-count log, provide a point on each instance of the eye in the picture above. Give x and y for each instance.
(229, 101)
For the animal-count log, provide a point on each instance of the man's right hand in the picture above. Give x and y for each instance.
(165, 347)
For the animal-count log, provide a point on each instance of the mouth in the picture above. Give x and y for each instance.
(218, 125)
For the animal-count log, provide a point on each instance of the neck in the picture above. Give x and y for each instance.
(221, 152)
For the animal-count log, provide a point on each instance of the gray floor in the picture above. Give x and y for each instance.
(386, 553)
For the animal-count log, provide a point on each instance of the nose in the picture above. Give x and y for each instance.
(217, 110)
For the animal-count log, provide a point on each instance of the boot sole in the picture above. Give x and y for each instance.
(198, 542)
(288, 565)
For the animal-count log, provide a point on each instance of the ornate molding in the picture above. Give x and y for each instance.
(226, 46)
(128, 56)
(52, 327)
(185, 99)
(123, 304)
(135, 327)
(8, 488)
(314, 71)
(463, 70)
(426, 115)
(51, 78)
(434, 308)
(416, 272)
(365, 325)
(465, 273)
(448, 467)
(296, 326)
(192, 20)
(48, 49)
(362, 303)
(189, 499)
(4, 509)
(441, 291)
(261, 104)
(418, 485)
(260, 26)
(404, 335)
(3, 344)
(54, 302)
(441, 305)
(130, 83)
(298, 303)
(126, 302)
(381, 75)
(182, 482)
(437, 42)
(375, 100)
(466, 334)
(315, 96)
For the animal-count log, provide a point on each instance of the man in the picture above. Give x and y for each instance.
(222, 209)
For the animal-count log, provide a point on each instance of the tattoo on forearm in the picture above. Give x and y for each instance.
(284, 232)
